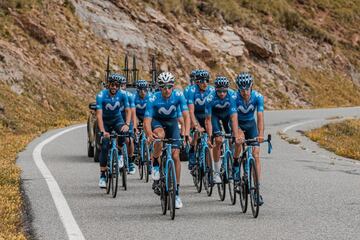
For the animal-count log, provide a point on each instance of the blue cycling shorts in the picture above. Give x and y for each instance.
(201, 120)
(170, 127)
(250, 129)
(215, 122)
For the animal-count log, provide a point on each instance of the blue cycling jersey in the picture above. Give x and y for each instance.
(140, 104)
(161, 108)
(110, 105)
(246, 110)
(198, 98)
(220, 107)
(131, 99)
(187, 91)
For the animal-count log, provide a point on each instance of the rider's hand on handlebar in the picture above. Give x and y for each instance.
(106, 135)
(199, 128)
(260, 138)
(209, 142)
(125, 128)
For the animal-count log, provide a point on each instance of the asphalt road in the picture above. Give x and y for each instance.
(309, 193)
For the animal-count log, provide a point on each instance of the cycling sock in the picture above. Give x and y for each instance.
(156, 162)
(217, 166)
(177, 189)
(236, 162)
(102, 174)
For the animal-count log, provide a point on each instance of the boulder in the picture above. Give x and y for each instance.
(159, 19)
(196, 47)
(256, 45)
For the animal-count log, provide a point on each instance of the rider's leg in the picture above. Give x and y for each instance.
(256, 153)
(158, 145)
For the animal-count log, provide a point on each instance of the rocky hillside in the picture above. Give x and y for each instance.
(53, 53)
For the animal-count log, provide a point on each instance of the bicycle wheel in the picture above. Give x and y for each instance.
(230, 178)
(208, 175)
(243, 186)
(125, 167)
(254, 189)
(108, 176)
(147, 163)
(141, 167)
(222, 186)
(171, 188)
(163, 194)
(115, 174)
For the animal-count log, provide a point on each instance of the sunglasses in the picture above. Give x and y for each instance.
(114, 84)
(202, 81)
(221, 91)
(167, 87)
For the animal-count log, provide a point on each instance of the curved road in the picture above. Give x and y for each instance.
(309, 193)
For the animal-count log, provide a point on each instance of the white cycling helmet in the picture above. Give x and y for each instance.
(166, 78)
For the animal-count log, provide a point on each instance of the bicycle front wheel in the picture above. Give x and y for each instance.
(230, 178)
(254, 189)
(147, 163)
(115, 174)
(125, 167)
(243, 186)
(222, 186)
(208, 175)
(171, 188)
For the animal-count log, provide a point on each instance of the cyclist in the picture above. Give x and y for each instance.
(161, 122)
(192, 82)
(220, 107)
(247, 101)
(141, 98)
(108, 103)
(196, 102)
(130, 140)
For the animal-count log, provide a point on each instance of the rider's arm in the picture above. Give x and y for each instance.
(148, 117)
(192, 115)
(185, 111)
(100, 120)
(208, 126)
(147, 126)
(134, 119)
(234, 125)
(260, 115)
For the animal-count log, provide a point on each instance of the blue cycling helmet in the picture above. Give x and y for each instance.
(202, 75)
(193, 76)
(118, 78)
(244, 80)
(221, 82)
(141, 84)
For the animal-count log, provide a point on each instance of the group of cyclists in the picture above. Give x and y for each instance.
(169, 112)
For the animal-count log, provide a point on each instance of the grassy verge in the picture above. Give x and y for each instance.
(342, 138)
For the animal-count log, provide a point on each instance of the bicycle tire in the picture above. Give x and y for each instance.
(222, 186)
(254, 189)
(230, 178)
(208, 176)
(171, 188)
(243, 186)
(115, 174)
(125, 167)
(147, 163)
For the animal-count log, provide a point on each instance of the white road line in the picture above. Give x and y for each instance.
(298, 124)
(72, 229)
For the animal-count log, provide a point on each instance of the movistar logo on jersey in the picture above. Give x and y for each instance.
(198, 101)
(112, 107)
(139, 106)
(248, 109)
(225, 105)
(178, 93)
(165, 111)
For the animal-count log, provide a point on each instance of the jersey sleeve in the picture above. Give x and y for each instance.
(182, 101)
(260, 103)
(125, 100)
(191, 96)
(208, 105)
(99, 100)
(178, 112)
(233, 108)
(132, 100)
(149, 112)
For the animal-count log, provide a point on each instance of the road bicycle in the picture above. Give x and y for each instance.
(249, 182)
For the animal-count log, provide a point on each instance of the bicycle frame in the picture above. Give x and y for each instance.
(226, 150)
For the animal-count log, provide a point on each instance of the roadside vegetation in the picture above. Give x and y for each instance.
(342, 138)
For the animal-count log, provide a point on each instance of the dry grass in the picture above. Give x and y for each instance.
(328, 89)
(343, 138)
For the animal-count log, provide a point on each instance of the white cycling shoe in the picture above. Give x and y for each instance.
(155, 174)
(178, 202)
(102, 182)
(217, 178)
